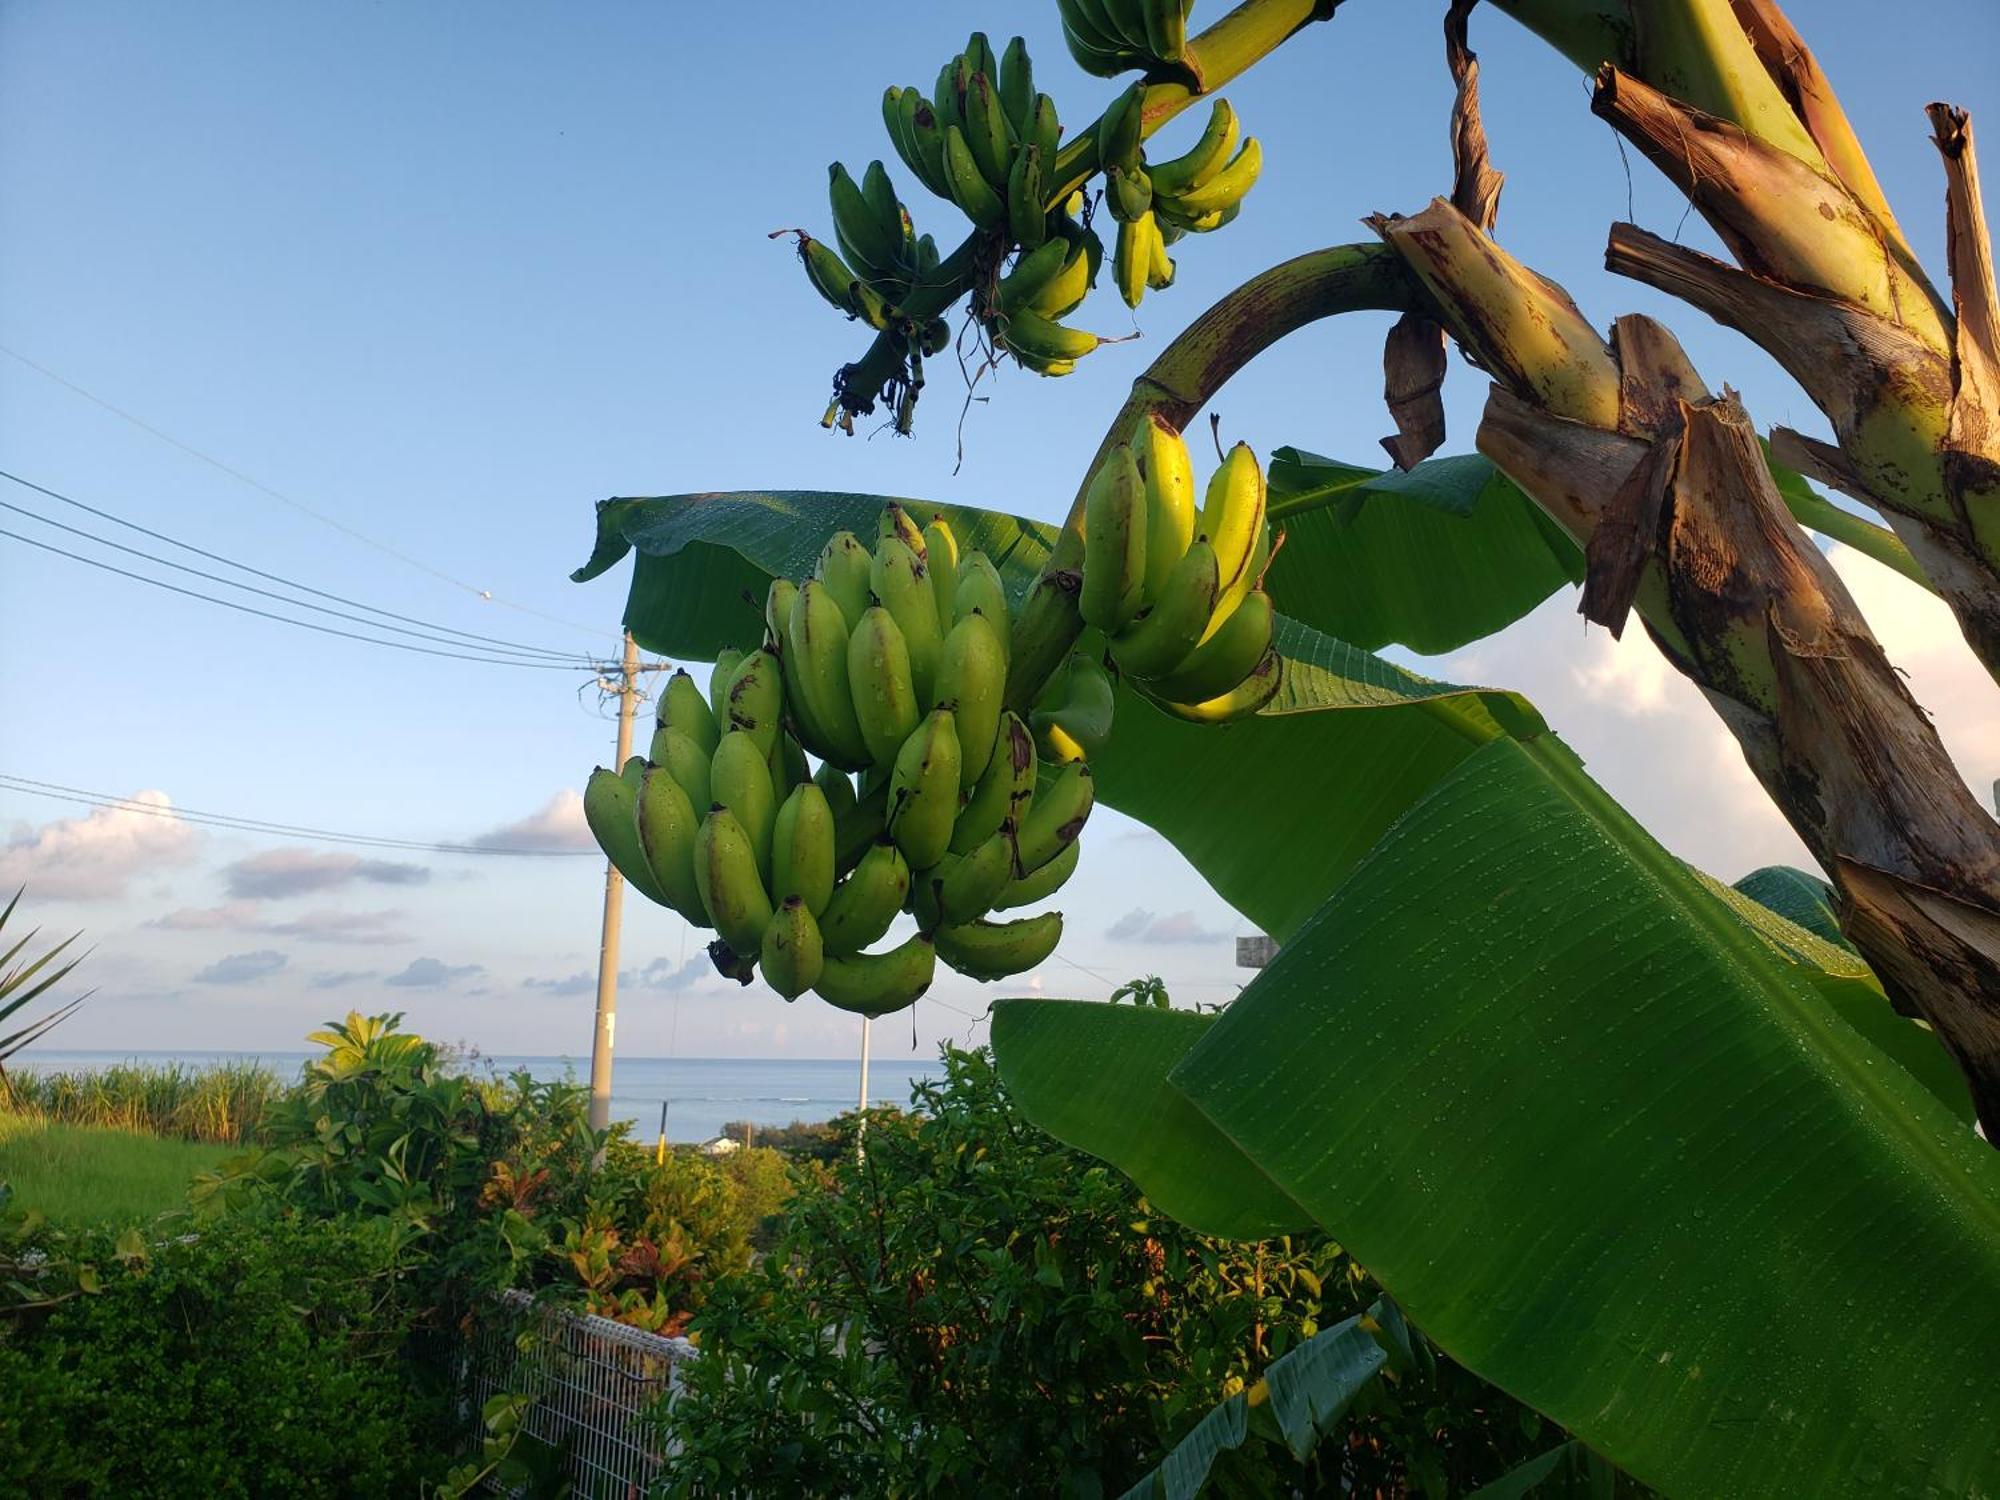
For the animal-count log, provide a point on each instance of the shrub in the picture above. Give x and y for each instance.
(264, 1356)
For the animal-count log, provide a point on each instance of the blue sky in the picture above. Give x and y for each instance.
(452, 272)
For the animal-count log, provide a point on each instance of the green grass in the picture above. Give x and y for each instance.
(89, 1174)
(225, 1102)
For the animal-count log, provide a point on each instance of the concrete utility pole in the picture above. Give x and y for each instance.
(614, 910)
(861, 1128)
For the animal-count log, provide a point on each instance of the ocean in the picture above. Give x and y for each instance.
(702, 1094)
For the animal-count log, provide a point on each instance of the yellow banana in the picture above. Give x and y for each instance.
(878, 984)
(725, 872)
(802, 848)
(727, 660)
(817, 644)
(791, 950)
(682, 759)
(923, 791)
(898, 523)
(1226, 188)
(1132, 258)
(757, 698)
(611, 809)
(1232, 518)
(1072, 721)
(1004, 793)
(1170, 510)
(1056, 818)
(972, 682)
(996, 950)
(1114, 543)
(941, 564)
(1031, 334)
(1064, 290)
(1032, 273)
(843, 568)
(1045, 882)
(878, 675)
(739, 778)
(1160, 267)
(667, 826)
(899, 581)
(1224, 659)
(1183, 174)
(866, 902)
(683, 707)
(1256, 689)
(1159, 640)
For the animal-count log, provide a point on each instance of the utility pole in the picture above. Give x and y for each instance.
(861, 1128)
(614, 910)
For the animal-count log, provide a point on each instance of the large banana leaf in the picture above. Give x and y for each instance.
(1606, 1143)
(1446, 553)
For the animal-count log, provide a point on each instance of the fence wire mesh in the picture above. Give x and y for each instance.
(592, 1381)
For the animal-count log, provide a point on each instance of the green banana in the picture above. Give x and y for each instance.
(1226, 188)
(966, 885)
(981, 592)
(1171, 216)
(1044, 883)
(878, 674)
(1119, 132)
(979, 55)
(920, 136)
(1096, 48)
(1032, 272)
(1132, 260)
(941, 563)
(777, 610)
(838, 789)
(1073, 719)
(1004, 793)
(1232, 518)
(789, 767)
(866, 902)
(1170, 511)
(683, 760)
(739, 778)
(972, 682)
(829, 274)
(1223, 660)
(802, 848)
(1017, 86)
(1064, 292)
(1159, 640)
(878, 984)
(611, 809)
(898, 580)
(1183, 174)
(1128, 192)
(725, 872)
(633, 772)
(667, 826)
(1044, 132)
(791, 951)
(861, 825)
(1166, 28)
(948, 97)
(988, 132)
(1038, 338)
(889, 214)
(1114, 543)
(817, 642)
(870, 246)
(757, 698)
(997, 950)
(1258, 687)
(923, 790)
(969, 188)
(1056, 818)
(898, 524)
(1160, 271)
(727, 660)
(843, 568)
(683, 707)
(1027, 214)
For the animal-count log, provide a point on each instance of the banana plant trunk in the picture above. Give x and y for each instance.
(1667, 490)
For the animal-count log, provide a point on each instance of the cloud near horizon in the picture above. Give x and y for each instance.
(660, 975)
(432, 974)
(242, 968)
(557, 824)
(362, 928)
(278, 873)
(1142, 926)
(94, 857)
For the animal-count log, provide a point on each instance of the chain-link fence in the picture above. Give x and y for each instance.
(592, 1380)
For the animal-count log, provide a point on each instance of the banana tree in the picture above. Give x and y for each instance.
(1691, 1168)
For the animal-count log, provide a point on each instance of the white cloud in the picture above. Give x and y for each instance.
(97, 855)
(278, 873)
(432, 974)
(1142, 926)
(242, 968)
(558, 824)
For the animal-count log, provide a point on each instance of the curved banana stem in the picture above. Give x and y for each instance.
(1218, 55)
(1188, 372)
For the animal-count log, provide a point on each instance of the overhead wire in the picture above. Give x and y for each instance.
(290, 583)
(298, 505)
(56, 791)
(511, 656)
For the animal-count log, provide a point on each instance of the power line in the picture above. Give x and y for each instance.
(262, 488)
(60, 793)
(230, 562)
(510, 657)
(175, 588)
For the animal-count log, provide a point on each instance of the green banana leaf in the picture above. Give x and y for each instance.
(1803, 899)
(1569, 1469)
(1430, 559)
(1306, 1391)
(1611, 1152)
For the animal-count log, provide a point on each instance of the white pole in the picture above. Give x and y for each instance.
(614, 906)
(860, 1150)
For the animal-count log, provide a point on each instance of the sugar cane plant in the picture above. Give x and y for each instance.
(1691, 1168)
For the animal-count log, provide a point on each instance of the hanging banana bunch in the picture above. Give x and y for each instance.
(1156, 205)
(890, 663)
(1109, 37)
(1179, 593)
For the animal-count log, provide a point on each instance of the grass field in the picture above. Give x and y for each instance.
(87, 1174)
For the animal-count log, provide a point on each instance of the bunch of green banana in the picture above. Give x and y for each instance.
(879, 259)
(1156, 204)
(1044, 285)
(1109, 37)
(1179, 594)
(1204, 189)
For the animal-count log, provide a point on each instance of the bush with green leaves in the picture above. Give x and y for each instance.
(973, 1307)
(268, 1355)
